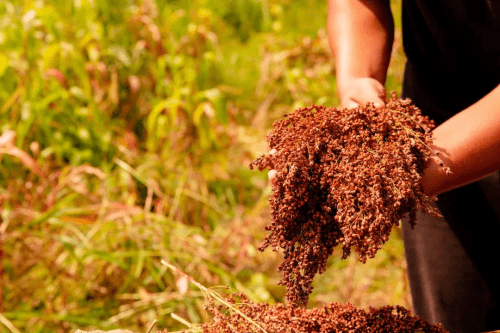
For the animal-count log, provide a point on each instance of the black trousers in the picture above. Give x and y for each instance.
(454, 262)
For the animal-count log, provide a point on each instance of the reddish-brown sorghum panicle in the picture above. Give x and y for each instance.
(344, 177)
(330, 318)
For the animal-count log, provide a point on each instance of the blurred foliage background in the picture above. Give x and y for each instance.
(126, 130)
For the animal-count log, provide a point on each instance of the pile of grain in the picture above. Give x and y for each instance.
(245, 317)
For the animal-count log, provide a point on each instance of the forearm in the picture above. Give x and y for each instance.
(361, 34)
(469, 144)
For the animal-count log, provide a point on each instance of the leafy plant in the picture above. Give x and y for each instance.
(126, 129)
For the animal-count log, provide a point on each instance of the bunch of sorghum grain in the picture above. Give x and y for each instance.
(245, 316)
(343, 177)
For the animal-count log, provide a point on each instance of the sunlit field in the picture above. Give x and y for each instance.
(126, 131)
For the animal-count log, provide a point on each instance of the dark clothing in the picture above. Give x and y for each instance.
(454, 48)
(453, 262)
(453, 51)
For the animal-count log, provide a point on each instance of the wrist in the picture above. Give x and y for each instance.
(437, 174)
(432, 176)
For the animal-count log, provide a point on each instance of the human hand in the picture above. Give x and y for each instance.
(355, 92)
(360, 91)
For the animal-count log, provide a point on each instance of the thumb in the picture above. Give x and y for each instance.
(272, 177)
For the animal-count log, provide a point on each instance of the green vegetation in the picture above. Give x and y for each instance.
(134, 123)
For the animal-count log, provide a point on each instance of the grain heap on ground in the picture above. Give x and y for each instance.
(246, 317)
(344, 177)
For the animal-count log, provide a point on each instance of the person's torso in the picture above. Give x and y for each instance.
(453, 47)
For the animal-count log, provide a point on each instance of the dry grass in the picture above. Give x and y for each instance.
(134, 124)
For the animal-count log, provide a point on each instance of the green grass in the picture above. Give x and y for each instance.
(134, 126)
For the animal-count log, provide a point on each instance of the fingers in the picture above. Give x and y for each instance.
(351, 104)
(361, 91)
(355, 101)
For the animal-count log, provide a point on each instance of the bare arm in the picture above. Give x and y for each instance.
(469, 144)
(361, 34)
